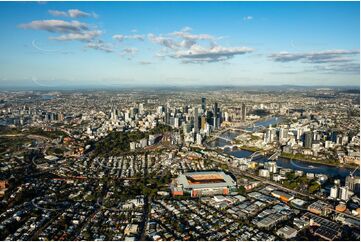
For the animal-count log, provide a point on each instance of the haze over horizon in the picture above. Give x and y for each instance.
(123, 44)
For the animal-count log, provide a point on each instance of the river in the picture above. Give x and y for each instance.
(332, 171)
(233, 134)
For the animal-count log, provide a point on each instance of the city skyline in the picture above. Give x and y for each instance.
(122, 44)
(187, 165)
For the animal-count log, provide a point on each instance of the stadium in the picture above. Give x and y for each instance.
(204, 183)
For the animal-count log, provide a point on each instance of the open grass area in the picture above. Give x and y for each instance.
(13, 144)
(32, 131)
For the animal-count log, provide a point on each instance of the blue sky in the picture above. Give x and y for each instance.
(179, 43)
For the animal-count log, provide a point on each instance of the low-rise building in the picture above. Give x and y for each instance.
(285, 197)
(320, 208)
(287, 232)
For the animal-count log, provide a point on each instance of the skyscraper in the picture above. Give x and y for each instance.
(215, 122)
(244, 112)
(215, 108)
(167, 115)
(196, 121)
(351, 182)
(283, 134)
(272, 166)
(344, 194)
(308, 139)
(203, 122)
(176, 122)
(334, 192)
(204, 106)
(141, 108)
(159, 110)
(216, 115)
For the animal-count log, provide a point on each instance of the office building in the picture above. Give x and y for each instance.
(283, 134)
(344, 193)
(334, 192)
(196, 120)
(308, 139)
(203, 123)
(244, 112)
(271, 166)
(141, 108)
(264, 173)
(204, 106)
(199, 139)
(215, 116)
(352, 182)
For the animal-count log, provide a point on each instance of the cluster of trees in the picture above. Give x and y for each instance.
(160, 129)
(12, 144)
(34, 131)
(49, 134)
(295, 182)
(307, 158)
(314, 186)
(117, 142)
(301, 183)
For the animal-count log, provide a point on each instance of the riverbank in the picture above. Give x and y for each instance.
(248, 148)
(333, 163)
(304, 159)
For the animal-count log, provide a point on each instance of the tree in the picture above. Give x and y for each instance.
(314, 186)
(242, 190)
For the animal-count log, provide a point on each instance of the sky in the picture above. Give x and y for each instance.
(115, 44)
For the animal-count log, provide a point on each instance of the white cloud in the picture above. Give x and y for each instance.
(81, 36)
(121, 37)
(71, 31)
(315, 57)
(57, 13)
(188, 36)
(199, 54)
(194, 48)
(163, 41)
(130, 51)
(100, 45)
(330, 61)
(247, 18)
(76, 13)
(72, 13)
(351, 68)
(56, 26)
(145, 62)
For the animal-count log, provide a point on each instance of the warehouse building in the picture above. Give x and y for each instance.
(284, 197)
(320, 208)
(287, 232)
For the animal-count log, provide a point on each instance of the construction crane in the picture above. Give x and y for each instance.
(351, 173)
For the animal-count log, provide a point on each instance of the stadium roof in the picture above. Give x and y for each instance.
(205, 179)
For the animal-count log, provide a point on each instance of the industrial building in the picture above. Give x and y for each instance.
(203, 183)
(320, 208)
(287, 232)
(285, 197)
(326, 229)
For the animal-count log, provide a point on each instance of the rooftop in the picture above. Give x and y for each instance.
(205, 179)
